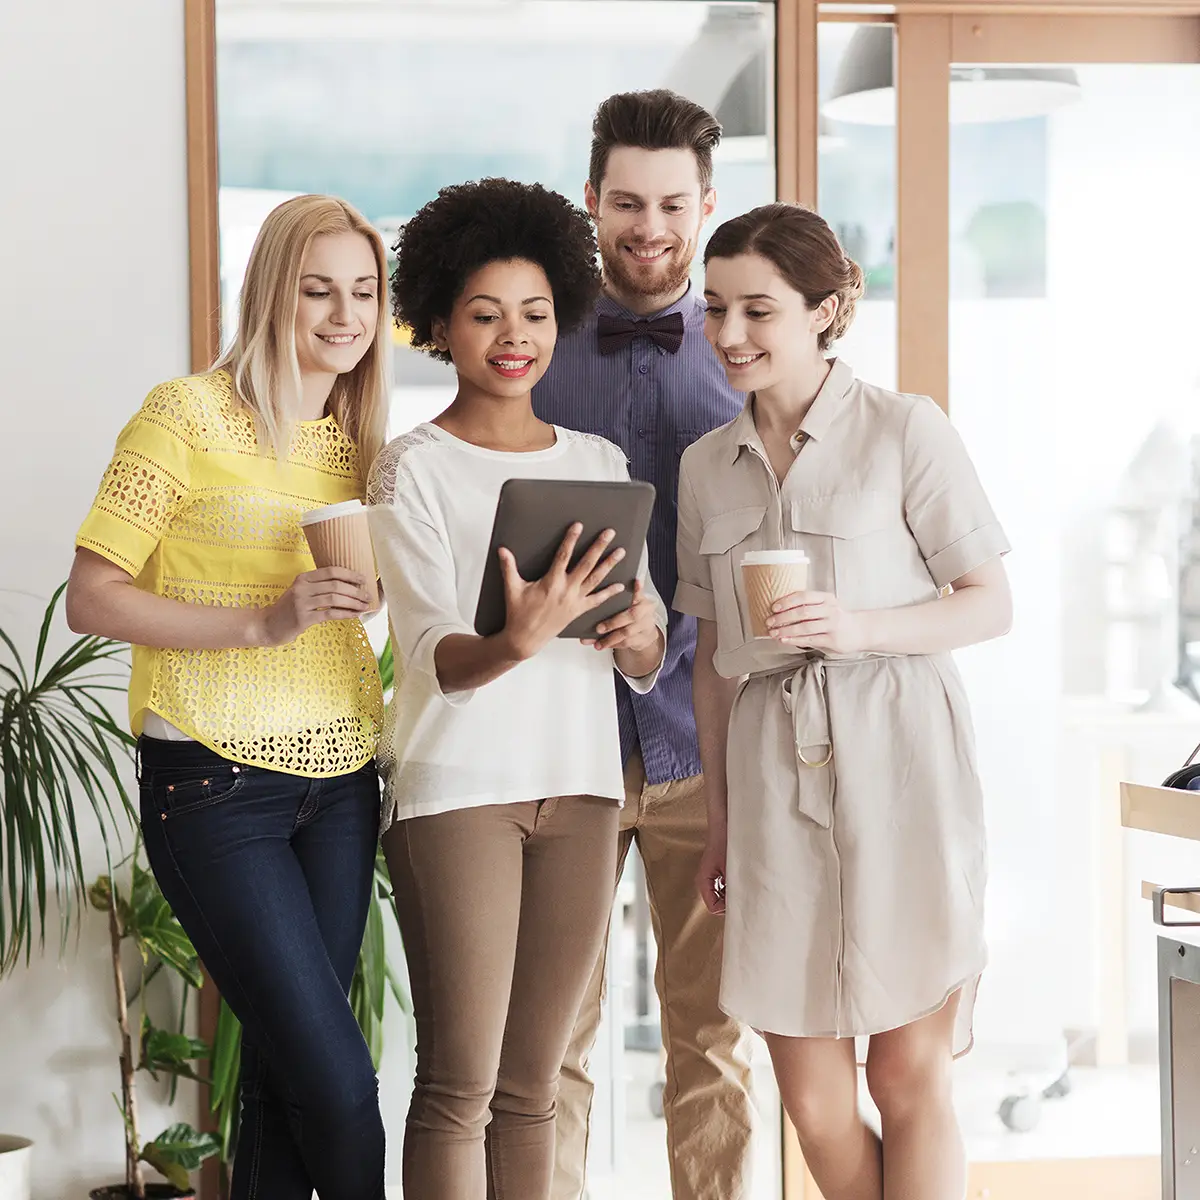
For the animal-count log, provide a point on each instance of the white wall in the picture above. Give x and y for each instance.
(93, 312)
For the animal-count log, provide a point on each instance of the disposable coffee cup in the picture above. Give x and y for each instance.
(339, 536)
(769, 575)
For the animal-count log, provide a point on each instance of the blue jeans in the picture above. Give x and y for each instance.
(270, 876)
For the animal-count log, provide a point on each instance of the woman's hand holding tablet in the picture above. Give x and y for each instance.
(539, 611)
(532, 516)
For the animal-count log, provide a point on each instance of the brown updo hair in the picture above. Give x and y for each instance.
(804, 250)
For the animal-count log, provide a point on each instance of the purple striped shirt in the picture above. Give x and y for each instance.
(653, 404)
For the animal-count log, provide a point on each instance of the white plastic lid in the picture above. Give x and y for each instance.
(347, 508)
(759, 558)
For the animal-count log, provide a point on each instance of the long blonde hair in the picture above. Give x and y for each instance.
(262, 358)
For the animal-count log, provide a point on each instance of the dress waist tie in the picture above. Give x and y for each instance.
(803, 693)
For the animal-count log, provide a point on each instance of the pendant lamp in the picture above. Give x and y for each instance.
(864, 89)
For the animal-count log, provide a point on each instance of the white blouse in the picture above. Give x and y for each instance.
(546, 728)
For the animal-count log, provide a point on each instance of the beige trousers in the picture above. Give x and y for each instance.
(503, 910)
(706, 1101)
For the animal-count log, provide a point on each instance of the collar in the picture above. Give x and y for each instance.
(690, 305)
(821, 413)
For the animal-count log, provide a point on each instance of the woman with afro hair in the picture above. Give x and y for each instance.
(500, 754)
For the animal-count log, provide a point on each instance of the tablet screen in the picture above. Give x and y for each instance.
(532, 518)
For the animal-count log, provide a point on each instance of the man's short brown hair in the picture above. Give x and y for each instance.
(655, 120)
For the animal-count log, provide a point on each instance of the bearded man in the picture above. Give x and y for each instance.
(641, 374)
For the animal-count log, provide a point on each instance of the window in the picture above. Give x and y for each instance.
(383, 104)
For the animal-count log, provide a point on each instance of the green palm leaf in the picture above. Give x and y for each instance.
(368, 987)
(223, 1099)
(387, 667)
(61, 754)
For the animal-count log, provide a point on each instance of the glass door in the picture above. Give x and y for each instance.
(385, 102)
(1058, 171)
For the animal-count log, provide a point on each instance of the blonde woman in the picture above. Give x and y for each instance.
(255, 695)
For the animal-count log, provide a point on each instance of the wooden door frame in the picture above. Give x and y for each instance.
(200, 57)
(931, 34)
(204, 295)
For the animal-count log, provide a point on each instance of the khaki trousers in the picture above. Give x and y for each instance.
(706, 1101)
(503, 910)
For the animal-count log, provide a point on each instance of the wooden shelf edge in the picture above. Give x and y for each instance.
(1169, 811)
(1186, 901)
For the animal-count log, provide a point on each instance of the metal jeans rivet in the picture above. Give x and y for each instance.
(206, 783)
(170, 787)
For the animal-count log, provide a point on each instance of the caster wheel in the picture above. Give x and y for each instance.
(656, 1100)
(1059, 1088)
(1021, 1114)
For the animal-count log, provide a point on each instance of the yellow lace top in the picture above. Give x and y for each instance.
(190, 508)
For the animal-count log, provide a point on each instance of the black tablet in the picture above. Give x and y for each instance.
(532, 518)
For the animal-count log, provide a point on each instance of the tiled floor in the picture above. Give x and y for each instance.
(642, 1173)
(1111, 1112)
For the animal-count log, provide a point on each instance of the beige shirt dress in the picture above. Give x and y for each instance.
(856, 866)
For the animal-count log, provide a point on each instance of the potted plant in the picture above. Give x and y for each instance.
(60, 756)
(16, 1173)
(141, 916)
(58, 745)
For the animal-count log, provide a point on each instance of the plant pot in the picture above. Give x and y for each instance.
(154, 1191)
(16, 1168)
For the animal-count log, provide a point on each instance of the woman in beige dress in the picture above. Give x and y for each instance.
(847, 847)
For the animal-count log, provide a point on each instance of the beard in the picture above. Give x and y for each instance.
(661, 278)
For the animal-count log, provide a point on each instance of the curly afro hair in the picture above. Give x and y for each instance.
(493, 220)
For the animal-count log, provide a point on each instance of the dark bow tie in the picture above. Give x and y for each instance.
(614, 332)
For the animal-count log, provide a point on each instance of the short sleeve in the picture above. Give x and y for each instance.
(945, 505)
(417, 571)
(146, 482)
(693, 592)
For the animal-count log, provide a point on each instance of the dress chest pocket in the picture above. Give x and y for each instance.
(857, 542)
(724, 541)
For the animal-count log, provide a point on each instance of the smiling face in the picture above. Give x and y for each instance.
(501, 330)
(648, 213)
(337, 310)
(761, 328)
